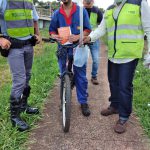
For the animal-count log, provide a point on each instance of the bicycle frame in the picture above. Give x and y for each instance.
(66, 84)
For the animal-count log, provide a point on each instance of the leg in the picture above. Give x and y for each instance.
(17, 68)
(95, 51)
(81, 88)
(113, 84)
(126, 74)
(62, 64)
(16, 62)
(28, 59)
(114, 90)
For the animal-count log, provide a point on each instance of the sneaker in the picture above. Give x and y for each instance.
(94, 81)
(109, 111)
(85, 110)
(120, 126)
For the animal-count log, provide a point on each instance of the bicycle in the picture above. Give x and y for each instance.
(66, 83)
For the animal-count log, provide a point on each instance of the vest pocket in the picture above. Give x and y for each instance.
(129, 49)
(128, 42)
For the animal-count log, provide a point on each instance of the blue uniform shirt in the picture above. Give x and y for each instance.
(59, 19)
(3, 4)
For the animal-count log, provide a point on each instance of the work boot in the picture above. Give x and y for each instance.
(85, 110)
(94, 80)
(15, 115)
(24, 106)
(120, 126)
(109, 111)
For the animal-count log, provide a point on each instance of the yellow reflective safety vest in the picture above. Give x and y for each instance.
(19, 18)
(94, 16)
(93, 20)
(125, 34)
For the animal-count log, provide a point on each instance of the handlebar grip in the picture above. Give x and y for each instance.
(51, 40)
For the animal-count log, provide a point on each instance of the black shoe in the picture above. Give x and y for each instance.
(20, 124)
(15, 104)
(85, 110)
(24, 105)
(31, 110)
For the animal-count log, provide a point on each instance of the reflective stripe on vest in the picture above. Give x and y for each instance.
(126, 37)
(93, 20)
(19, 19)
(130, 37)
(124, 27)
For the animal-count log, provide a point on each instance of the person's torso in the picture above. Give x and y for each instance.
(73, 20)
(125, 33)
(17, 19)
(93, 15)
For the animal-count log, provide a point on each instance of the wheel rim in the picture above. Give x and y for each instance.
(64, 105)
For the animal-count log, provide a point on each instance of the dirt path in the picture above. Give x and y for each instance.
(93, 133)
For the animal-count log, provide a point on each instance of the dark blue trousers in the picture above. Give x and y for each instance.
(81, 82)
(120, 77)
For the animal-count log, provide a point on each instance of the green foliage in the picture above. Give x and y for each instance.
(43, 77)
(55, 5)
(142, 96)
(44, 33)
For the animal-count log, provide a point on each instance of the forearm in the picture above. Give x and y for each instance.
(98, 32)
(36, 28)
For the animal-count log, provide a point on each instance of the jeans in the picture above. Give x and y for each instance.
(80, 78)
(95, 51)
(20, 62)
(120, 77)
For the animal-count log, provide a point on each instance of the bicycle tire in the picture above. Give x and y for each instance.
(66, 102)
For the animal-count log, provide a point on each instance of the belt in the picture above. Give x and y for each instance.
(22, 42)
(16, 43)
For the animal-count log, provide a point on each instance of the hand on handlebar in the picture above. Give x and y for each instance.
(57, 37)
(86, 39)
(74, 38)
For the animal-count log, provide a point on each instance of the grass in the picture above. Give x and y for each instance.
(44, 73)
(142, 96)
(43, 78)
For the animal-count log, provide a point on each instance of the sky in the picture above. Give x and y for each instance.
(100, 3)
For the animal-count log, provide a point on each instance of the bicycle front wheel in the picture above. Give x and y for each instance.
(66, 102)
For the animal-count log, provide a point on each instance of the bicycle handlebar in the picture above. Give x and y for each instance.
(73, 45)
(62, 49)
(52, 40)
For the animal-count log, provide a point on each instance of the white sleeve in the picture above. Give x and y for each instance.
(99, 31)
(145, 17)
(1, 1)
(35, 14)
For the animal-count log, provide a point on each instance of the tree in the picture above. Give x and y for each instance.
(35, 2)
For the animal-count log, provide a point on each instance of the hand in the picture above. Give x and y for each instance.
(74, 38)
(4, 43)
(86, 39)
(147, 60)
(57, 37)
(38, 39)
